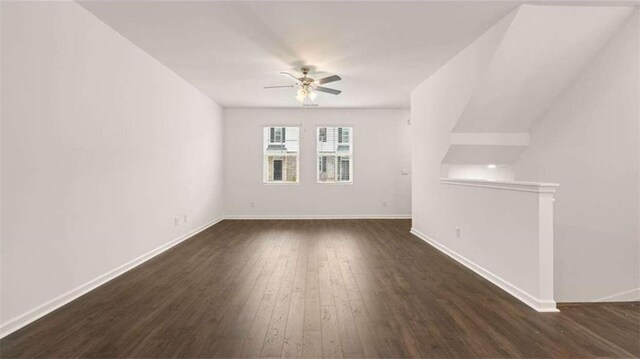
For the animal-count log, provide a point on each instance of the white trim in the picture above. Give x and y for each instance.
(536, 187)
(280, 183)
(318, 216)
(537, 304)
(631, 295)
(23, 319)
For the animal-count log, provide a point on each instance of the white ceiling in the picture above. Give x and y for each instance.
(230, 50)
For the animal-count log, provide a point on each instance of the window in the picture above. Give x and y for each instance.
(281, 148)
(277, 134)
(335, 154)
(322, 135)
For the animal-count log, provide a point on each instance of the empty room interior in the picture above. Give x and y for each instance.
(320, 179)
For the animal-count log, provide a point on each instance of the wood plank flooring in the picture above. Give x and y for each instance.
(311, 289)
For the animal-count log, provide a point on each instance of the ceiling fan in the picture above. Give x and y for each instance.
(307, 87)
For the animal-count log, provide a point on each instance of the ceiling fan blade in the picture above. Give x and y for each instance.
(328, 79)
(277, 87)
(288, 74)
(328, 90)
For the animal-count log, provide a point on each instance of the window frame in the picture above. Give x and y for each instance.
(265, 166)
(351, 154)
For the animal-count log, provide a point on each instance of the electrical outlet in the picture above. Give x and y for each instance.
(185, 218)
(251, 204)
(457, 231)
(384, 204)
(176, 221)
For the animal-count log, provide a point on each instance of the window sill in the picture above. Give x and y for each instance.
(335, 183)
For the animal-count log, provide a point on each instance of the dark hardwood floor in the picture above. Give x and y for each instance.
(326, 288)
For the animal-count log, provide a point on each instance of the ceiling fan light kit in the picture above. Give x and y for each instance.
(307, 87)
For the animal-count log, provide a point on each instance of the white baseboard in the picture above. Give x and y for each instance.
(20, 321)
(632, 295)
(318, 216)
(535, 303)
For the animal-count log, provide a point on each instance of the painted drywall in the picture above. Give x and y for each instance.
(590, 137)
(588, 142)
(435, 107)
(500, 232)
(544, 49)
(230, 49)
(102, 148)
(495, 173)
(503, 231)
(381, 149)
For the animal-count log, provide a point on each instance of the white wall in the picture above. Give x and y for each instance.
(436, 105)
(381, 149)
(503, 231)
(588, 142)
(500, 236)
(102, 146)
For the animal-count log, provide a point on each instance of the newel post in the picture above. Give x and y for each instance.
(545, 249)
